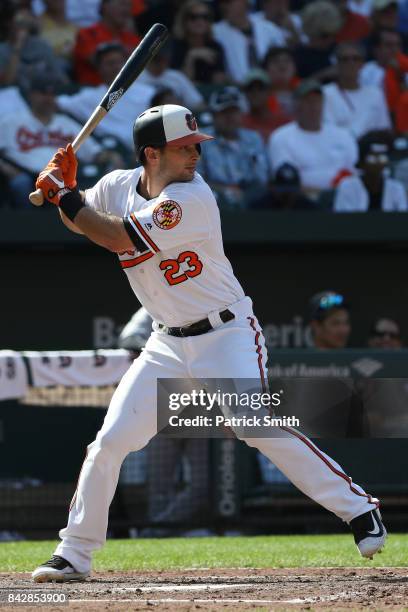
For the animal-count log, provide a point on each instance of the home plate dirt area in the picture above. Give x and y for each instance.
(225, 589)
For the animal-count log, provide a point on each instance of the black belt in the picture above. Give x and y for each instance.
(200, 327)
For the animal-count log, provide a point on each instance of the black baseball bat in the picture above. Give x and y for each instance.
(138, 60)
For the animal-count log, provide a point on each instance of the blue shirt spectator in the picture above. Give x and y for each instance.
(235, 163)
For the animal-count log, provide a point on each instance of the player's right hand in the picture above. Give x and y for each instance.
(51, 183)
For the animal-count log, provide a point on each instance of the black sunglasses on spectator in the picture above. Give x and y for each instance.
(383, 334)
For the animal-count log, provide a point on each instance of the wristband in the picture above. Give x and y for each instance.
(71, 203)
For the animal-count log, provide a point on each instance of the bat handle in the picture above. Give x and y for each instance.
(36, 197)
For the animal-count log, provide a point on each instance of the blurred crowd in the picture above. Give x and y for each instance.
(329, 317)
(308, 99)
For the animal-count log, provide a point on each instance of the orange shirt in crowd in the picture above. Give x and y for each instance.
(401, 114)
(88, 39)
(138, 7)
(394, 81)
(355, 28)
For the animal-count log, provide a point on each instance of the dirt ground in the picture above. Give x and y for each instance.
(230, 589)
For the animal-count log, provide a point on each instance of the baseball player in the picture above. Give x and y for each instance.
(163, 222)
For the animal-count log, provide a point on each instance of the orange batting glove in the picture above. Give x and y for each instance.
(66, 160)
(59, 175)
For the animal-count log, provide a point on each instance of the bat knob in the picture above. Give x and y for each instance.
(37, 198)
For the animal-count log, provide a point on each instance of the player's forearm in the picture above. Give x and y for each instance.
(106, 230)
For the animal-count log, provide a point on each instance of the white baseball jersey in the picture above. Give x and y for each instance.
(178, 269)
(29, 143)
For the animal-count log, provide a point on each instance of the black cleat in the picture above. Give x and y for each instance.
(369, 533)
(57, 569)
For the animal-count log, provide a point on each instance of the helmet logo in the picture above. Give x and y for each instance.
(167, 214)
(191, 122)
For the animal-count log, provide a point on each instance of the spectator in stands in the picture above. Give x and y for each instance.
(109, 59)
(354, 27)
(235, 163)
(79, 12)
(386, 45)
(159, 75)
(116, 24)
(244, 38)
(278, 13)
(385, 400)
(330, 324)
(385, 333)
(284, 192)
(359, 108)
(24, 50)
(384, 14)
(281, 69)
(322, 153)
(29, 138)
(389, 70)
(373, 190)
(58, 31)
(260, 118)
(194, 50)
(333, 406)
(321, 23)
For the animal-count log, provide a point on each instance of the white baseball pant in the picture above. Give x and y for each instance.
(232, 350)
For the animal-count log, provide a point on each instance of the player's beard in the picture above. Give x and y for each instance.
(188, 176)
(171, 176)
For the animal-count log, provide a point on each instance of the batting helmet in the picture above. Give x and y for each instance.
(167, 124)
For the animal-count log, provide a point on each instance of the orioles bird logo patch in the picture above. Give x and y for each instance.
(191, 122)
(167, 214)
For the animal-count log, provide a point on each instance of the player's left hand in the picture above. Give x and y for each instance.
(66, 160)
(59, 176)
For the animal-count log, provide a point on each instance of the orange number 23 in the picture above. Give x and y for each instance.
(172, 267)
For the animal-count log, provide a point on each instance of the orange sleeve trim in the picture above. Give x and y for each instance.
(130, 263)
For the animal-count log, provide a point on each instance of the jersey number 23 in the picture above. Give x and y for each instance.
(172, 273)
